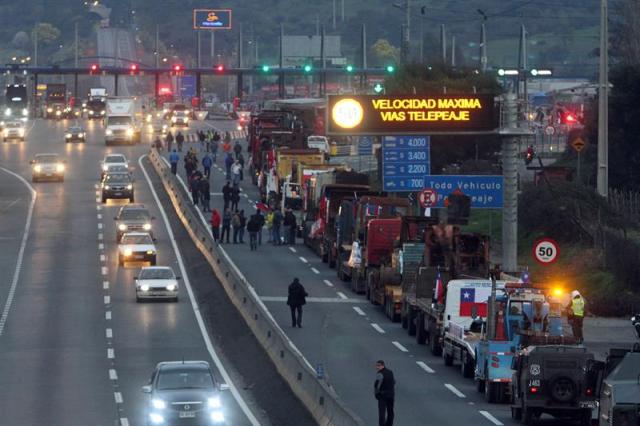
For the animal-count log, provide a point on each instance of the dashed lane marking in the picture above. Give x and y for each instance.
(107, 315)
(425, 367)
(489, 417)
(103, 258)
(98, 200)
(104, 270)
(109, 333)
(315, 271)
(359, 311)
(105, 285)
(328, 283)
(113, 375)
(124, 421)
(303, 259)
(118, 397)
(110, 353)
(99, 226)
(293, 249)
(23, 245)
(400, 346)
(99, 216)
(100, 236)
(98, 207)
(100, 246)
(341, 295)
(455, 391)
(377, 328)
(107, 300)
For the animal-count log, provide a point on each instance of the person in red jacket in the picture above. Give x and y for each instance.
(215, 224)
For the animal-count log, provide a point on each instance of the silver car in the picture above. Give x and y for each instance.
(13, 130)
(47, 167)
(156, 282)
(133, 218)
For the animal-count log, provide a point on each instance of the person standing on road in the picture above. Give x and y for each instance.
(174, 158)
(296, 299)
(179, 140)
(236, 171)
(261, 221)
(215, 144)
(226, 225)
(237, 149)
(207, 162)
(253, 227)
(576, 310)
(384, 391)
(205, 194)
(215, 224)
(235, 223)
(243, 224)
(201, 139)
(275, 225)
(194, 185)
(226, 195)
(235, 197)
(289, 227)
(228, 162)
(269, 224)
(241, 163)
(169, 140)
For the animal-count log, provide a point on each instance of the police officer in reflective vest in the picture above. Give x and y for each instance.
(576, 314)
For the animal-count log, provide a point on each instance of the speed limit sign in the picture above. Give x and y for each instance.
(546, 251)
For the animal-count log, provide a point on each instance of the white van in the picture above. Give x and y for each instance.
(318, 142)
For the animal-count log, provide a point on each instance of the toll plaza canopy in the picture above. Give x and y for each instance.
(417, 114)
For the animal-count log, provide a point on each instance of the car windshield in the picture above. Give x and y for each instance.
(75, 129)
(136, 239)
(134, 214)
(117, 177)
(156, 274)
(14, 125)
(118, 168)
(115, 159)
(185, 379)
(119, 121)
(47, 158)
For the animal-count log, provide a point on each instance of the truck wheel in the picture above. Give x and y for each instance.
(331, 260)
(466, 365)
(529, 417)
(434, 342)
(404, 320)
(411, 320)
(421, 333)
(516, 413)
(585, 418)
(325, 257)
(480, 384)
(448, 359)
(490, 392)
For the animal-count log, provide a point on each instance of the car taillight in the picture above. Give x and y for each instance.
(589, 392)
(533, 389)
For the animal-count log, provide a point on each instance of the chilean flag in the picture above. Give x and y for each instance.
(439, 296)
(468, 302)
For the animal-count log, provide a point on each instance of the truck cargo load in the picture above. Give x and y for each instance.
(121, 121)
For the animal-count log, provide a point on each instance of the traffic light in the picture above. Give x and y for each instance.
(569, 118)
(177, 69)
(94, 69)
(220, 68)
(307, 68)
(133, 69)
(390, 69)
(265, 68)
(529, 156)
(349, 68)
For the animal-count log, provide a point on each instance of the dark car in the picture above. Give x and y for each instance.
(117, 185)
(133, 218)
(184, 393)
(76, 134)
(553, 379)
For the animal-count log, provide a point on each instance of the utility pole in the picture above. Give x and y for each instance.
(522, 65)
(35, 46)
(483, 48)
(453, 51)
(158, 46)
(281, 63)
(603, 105)
(510, 132)
(317, 24)
(213, 47)
(363, 47)
(342, 12)
(240, 43)
(407, 30)
(198, 33)
(76, 44)
(422, 17)
(443, 44)
(334, 14)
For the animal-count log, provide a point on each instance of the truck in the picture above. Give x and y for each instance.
(96, 105)
(290, 165)
(55, 101)
(121, 121)
(269, 130)
(16, 102)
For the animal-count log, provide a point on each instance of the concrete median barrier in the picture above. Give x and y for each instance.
(319, 398)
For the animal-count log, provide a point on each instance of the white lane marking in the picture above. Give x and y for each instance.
(315, 271)
(489, 417)
(293, 249)
(399, 346)
(109, 333)
(113, 375)
(342, 295)
(98, 207)
(455, 391)
(244, 194)
(118, 397)
(23, 245)
(124, 421)
(359, 311)
(107, 300)
(105, 285)
(104, 270)
(100, 236)
(103, 258)
(377, 328)
(98, 200)
(425, 367)
(107, 315)
(327, 282)
(99, 216)
(99, 226)
(303, 259)
(196, 309)
(110, 353)
(101, 246)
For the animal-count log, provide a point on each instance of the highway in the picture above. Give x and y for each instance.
(75, 347)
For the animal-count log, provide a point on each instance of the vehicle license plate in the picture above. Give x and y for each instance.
(187, 414)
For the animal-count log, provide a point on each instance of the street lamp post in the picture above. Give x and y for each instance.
(603, 105)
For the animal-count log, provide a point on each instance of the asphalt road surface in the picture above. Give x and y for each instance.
(75, 347)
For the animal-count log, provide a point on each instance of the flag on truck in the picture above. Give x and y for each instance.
(439, 296)
(469, 305)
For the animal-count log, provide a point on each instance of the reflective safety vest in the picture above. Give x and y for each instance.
(578, 307)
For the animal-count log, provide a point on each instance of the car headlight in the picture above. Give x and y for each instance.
(49, 109)
(109, 132)
(217, 417)
(145, 287)
(150, 252)
(156, 418)
(128, 252)
(21, 132)
(25, 111)
(68, 135)
(102, 112)
(58, 112)
(7, 112)
(214, 402)
(129, 132)
(172, 287)
(107, 187)
(81, 135)
(174, 119)
(90, 112)
(158, 404)
(60, 168)
(146, 227)
(105, 167)
(129, 187)
(37, 168)
(122, 227)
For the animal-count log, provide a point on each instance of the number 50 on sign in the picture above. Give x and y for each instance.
(546, 251)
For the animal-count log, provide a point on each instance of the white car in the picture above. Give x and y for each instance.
(136, 247)
(114, 159)
(13, 130)
(318, 142)
(47, 167)
(156, 282)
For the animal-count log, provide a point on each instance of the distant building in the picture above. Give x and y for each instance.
(300, 50)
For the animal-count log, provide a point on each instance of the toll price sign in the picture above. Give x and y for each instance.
(546, 251)
(405, 162)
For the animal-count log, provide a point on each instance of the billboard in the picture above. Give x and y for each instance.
(411, 115)
(212, 19)
(485, 191)
(405, 162)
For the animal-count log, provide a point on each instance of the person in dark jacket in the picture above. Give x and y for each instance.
(235, 197)
(169, 140)
(194, 186)
(289, 227)
(179, 140)
(237, 149)
(205, 195)
(226, 195)
(384, 391)
(261, 222)
(216, 220)
(243, 224)
(295, 300)
(226, 225)
(228, 162)
(253, 227)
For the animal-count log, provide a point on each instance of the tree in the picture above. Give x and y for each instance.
(47, 33)
(384, 52)
(625, 32)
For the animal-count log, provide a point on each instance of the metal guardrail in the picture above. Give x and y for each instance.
(319, 398)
